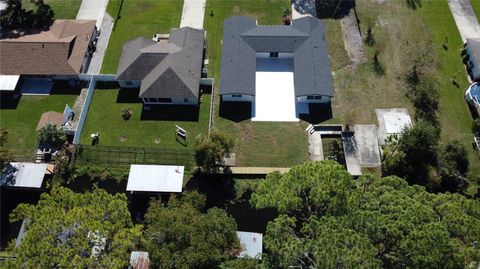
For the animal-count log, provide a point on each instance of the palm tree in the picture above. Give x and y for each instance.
(51, 136)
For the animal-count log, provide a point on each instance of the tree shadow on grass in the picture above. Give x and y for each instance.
(236, 111)
(318, 113)
(170, 112)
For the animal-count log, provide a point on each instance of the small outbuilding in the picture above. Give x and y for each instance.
(24, 175)
(139, 260)
(251, 245)
(50, 117)
(392, 121)
(155, 178)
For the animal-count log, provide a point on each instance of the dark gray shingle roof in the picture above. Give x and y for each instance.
(167, 69)
(242, 38)
(474, 44)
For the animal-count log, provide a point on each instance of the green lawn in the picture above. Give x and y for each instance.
(476, 7)
(454, 115)
(22, 121)
(63, 9)
(140, 130)
(138, 18)
(256, 143)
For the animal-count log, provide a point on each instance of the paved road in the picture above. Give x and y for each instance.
(92, 10)
(467, 22)
(102, 43)
(193, 13)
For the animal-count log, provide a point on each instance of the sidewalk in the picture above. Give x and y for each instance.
(465, 18)
(97, 59)
(92, 10)
(193, 13)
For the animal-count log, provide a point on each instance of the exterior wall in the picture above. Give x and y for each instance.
(88, 55)
(241, 98)
(282, 55)
(304, 99)
(134, 83)
(175, 101)
(475, 66)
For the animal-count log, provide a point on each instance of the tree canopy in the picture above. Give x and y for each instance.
(74, 230)
(210, 151)
(183, 235)
(51, 136)
(15, 17)
(329, 220)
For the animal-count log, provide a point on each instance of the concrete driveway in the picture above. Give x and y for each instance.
(467, 22)
(193, 13)
(92, 10)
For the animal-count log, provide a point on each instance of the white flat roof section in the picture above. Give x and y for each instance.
(366, 137)
(274, 91)
(391, 121)
(155, 178)
(251, 244)
(24, 175)
(8, 82)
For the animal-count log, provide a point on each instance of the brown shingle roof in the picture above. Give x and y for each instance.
(58, 51)
(55, 118)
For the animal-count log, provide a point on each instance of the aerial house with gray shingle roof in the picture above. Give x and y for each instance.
(271, 62)
(167, 71)
(473, 57)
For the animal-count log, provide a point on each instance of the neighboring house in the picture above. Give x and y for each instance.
(300, 48)
(473, 54)
(62, 52)
(167, 71)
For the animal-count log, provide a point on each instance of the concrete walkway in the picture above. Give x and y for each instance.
(193, 13)
(352, 38)
(92, 10)
(467, 22)
(97, 59)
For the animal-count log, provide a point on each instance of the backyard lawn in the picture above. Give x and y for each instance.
(256, 143)
(63, 9)
(22, 121)
(138, 18)
(149, 129)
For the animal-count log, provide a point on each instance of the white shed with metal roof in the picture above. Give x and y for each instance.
(23, 175)
(155, 178)
(251, 245)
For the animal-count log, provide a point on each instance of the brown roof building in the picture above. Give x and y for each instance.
(61, 50)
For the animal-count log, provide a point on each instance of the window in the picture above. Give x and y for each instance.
(152, 100)
(164, 100)
(318, 97)
(310, 97)
(129, 83)
(273, 54)
(236, 95)
(185, 100)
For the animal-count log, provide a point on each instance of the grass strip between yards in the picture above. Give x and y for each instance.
(476, 7)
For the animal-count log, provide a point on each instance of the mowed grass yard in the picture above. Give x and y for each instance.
(274, 144)
(138, 18)
(64, 9)
(22, 121)
(147, 129)
(400, 32)
(144, 129)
